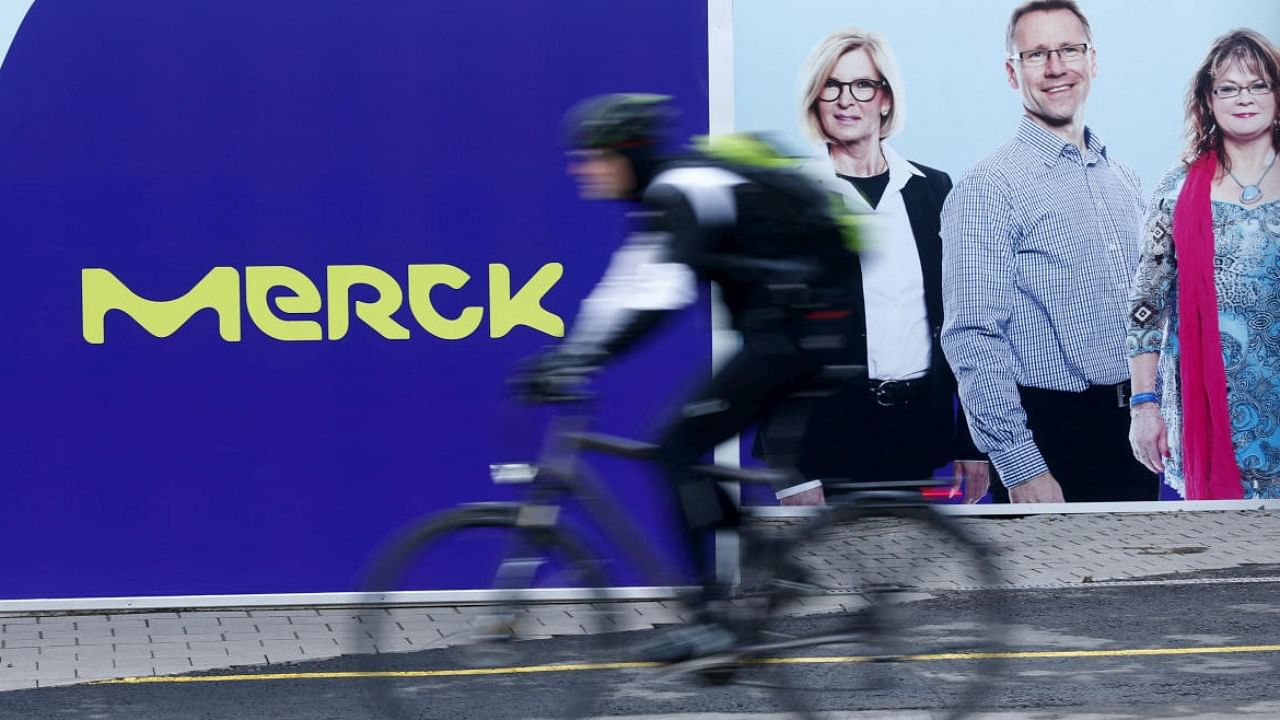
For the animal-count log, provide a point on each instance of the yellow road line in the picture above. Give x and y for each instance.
(461, 672)
(936, 657)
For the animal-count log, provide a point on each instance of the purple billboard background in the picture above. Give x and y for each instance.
(161, 139)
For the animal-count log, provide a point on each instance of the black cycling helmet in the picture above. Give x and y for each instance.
(617, 122)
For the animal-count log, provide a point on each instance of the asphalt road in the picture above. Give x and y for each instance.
(1189, 648)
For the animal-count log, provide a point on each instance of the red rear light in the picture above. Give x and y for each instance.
(940, 494)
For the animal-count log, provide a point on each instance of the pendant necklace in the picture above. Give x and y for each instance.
(1250, 194)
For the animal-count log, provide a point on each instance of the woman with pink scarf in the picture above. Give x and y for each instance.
(1205, 310)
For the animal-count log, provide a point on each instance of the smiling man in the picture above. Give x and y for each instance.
(1040, 242)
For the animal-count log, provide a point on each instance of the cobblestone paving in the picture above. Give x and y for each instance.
(1043, 551)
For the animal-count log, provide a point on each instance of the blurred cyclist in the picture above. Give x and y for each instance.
(783, 264)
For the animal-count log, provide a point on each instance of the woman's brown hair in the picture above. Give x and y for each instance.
(1247, 48)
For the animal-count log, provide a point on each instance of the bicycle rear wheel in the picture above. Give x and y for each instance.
(878, 608)
(478, 653)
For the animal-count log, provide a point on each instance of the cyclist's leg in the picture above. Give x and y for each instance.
(748, 386)
(786, 438)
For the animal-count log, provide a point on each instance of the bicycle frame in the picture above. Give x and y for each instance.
(561, 477)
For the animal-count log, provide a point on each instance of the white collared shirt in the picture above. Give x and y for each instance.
(899, 343)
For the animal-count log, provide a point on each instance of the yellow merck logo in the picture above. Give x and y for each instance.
(219, 290)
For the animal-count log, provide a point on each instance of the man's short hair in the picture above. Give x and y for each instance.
(1044, 6)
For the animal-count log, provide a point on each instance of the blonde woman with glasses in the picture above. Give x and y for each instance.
(899, 422)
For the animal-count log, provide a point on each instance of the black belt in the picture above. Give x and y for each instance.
(890, 393)
(1102, 394)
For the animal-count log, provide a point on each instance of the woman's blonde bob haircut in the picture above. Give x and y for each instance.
(818, 69)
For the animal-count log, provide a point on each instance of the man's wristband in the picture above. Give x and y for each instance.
(1143, 397)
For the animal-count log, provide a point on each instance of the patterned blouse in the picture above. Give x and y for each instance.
(1246, 275)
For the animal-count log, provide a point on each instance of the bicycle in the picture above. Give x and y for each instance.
(860, 615)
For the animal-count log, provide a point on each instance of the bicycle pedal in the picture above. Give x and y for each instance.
(796, 587)
(719, 676)
(704, 665)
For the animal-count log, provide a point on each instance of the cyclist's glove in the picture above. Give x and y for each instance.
(558, 375)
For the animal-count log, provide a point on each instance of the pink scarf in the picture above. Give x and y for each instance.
(1209, 460)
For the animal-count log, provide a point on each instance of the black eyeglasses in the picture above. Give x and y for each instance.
(1260, 87)
(862, 89)
(1066, 53)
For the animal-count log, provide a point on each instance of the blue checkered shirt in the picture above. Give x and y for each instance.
(1040, 243)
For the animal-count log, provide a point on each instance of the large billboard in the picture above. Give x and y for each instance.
(958, 107)
(267, 265)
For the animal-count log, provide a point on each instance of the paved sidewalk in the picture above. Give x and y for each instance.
(1046, 551)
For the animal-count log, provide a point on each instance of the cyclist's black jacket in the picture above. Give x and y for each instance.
(766, 237)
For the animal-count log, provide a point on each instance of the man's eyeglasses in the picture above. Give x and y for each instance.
(1229, 91)
(862, 89)
(1066, 53)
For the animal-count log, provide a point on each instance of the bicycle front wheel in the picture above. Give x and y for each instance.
(881, 608)
(437, 651)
